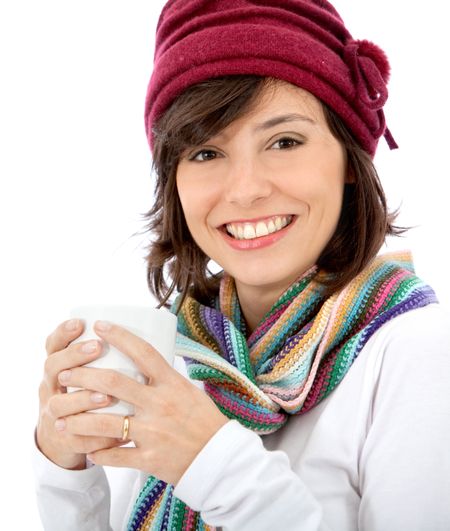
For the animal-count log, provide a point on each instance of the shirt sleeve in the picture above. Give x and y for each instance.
(405, 461)
(237, 484)
(73, 500)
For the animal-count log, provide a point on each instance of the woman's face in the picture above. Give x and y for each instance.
(263, 198)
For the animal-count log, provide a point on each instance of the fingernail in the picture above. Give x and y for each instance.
(90, 347)
(72, 325)
(103, 326)
(98, 397)
(60, 424)
(64, 376)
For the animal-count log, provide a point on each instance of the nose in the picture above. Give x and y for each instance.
(246, 183)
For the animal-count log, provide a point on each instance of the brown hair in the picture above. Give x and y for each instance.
(176, 263)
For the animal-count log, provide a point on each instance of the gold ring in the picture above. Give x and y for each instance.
(125, 428)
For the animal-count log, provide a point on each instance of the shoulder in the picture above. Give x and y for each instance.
(410, 357)
(428, 327)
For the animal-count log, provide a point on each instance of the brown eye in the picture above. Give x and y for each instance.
(204, 155)
(286, 143)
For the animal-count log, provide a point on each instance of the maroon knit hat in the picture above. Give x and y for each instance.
(304, 42)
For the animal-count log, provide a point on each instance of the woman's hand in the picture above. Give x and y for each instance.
(62, 447)
(173, 418)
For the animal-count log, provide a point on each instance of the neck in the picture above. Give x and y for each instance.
(256, 301)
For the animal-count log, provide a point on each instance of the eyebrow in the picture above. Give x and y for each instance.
(291, 117)
(276, 120)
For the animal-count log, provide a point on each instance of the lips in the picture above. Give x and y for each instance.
(250, 230)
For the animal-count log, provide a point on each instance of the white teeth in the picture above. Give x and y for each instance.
(261, 229)
(249, 231)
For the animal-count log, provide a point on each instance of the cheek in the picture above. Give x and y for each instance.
(331, 206)
(189, 211)
(197, 201)
(188, 194)
(332, 195)
(317, 193)
(329, 189)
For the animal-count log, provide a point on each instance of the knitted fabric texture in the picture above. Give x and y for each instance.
(303, 42)
(302, 349)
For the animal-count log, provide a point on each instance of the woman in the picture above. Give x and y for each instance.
(317, 389)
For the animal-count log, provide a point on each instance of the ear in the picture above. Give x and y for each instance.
(350, 177)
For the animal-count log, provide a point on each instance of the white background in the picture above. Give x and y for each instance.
(75, 173)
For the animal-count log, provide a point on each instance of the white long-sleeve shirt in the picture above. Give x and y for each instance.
(373, 456)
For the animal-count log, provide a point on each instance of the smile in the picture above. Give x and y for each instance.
(250, 231)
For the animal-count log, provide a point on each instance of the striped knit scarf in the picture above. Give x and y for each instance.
(299, 353)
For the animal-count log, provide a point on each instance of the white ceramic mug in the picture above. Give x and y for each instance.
(156, 326)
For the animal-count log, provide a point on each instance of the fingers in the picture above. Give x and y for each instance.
(106, 381)
(147, 358)
(63, 335)
(94, 425)
(74, 355)
(62, 405)
(65, 449)
(119, 457)
(84, 445)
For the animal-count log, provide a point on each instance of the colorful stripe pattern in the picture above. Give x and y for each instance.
(294, 359)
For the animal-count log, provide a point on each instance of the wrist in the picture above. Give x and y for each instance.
(67, 461)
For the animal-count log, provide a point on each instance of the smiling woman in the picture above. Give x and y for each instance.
(226, 104)
(253, 176)
(308, 356)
